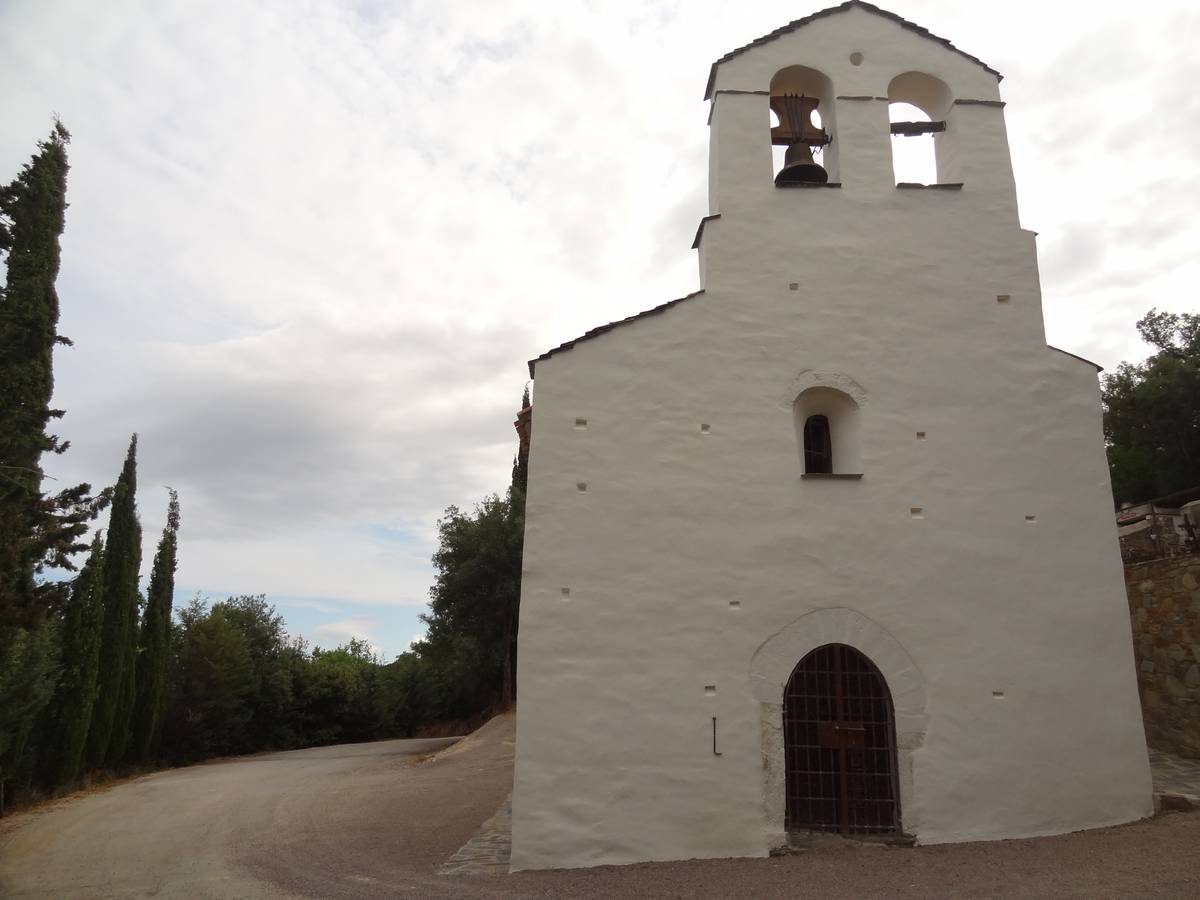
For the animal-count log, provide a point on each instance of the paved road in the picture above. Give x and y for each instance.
(270, 826)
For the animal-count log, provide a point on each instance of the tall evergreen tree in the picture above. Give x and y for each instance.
(71, 710)
(524, 425)
(153, 645)
(216, 684)
(108, 736)
(1152, 411)
(473, 604)
(36, 531)
(516, 502)
(28, 673)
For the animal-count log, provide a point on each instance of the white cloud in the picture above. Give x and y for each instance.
(311, 244)
(346, 630)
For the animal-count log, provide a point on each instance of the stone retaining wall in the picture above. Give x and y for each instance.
(1164, 608)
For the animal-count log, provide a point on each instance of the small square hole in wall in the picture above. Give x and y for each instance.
(566, 593)
(581, 424)
(997, 695)
(710, 690)
(735, 604)
(1031, 519)
(581, 486)
(794, 286)
(706, 429)
(1002, 298)
(917, 512)
(920, 435)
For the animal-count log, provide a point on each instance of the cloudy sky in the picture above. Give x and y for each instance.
(312, 244)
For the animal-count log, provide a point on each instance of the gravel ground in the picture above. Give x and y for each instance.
(1156, 858)
(373, 820)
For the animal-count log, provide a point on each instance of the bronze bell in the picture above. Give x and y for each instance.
(795, 129)
(800, 168)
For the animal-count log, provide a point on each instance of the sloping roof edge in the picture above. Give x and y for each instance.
(1099, 368)
(601, 329)
(861, 4)
(700, 229)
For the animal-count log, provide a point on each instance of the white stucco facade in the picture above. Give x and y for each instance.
(678, 566)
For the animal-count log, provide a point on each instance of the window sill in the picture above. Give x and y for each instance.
(810, 184)
(834, 476)
(913, 186)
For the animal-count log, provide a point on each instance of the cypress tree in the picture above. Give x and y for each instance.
(108, 735)
(71, 710)
(516, 518)
(36, 531)
(153, 644)
(524, 425)
(28, 673)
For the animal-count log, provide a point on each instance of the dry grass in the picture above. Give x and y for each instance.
(39, 800)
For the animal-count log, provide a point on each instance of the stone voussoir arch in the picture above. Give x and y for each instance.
(811, 378)
(772, 666)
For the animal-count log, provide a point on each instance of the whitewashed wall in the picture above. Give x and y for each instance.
(627, 605)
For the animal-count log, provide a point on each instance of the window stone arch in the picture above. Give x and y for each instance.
(835, 401)
(811, 378)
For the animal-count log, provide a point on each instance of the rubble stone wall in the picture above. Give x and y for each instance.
(1164, 608)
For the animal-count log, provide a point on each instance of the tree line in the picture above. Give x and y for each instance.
(1152, 412)
(97, 676)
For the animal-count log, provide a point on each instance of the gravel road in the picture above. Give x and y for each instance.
(276, 825)
(378, 820)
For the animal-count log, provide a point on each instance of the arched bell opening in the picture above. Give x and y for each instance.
(923, 145)
(839, 735)
(803, 126)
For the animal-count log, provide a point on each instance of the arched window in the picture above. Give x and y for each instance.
(922, 145)
(827, 431)
(818, 450)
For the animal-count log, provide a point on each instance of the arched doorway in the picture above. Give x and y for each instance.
(840, 746)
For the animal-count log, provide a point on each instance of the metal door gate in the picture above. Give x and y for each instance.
(840, 745)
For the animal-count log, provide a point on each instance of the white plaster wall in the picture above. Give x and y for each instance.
(897, 292)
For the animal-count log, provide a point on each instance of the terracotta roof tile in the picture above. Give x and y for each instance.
(869, 7)
(609, 327)
(1099, 368)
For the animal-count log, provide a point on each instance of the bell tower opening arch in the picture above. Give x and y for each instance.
(771, 669)
(803, 107)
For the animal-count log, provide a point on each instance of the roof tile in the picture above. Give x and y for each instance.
(861, 4)
(609, 327)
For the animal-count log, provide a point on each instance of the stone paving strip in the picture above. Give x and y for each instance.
(1175, 775)
(486, 853)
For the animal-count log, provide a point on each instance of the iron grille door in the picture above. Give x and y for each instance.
(840, 745)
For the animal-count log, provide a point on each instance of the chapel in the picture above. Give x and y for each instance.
(827, 545)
